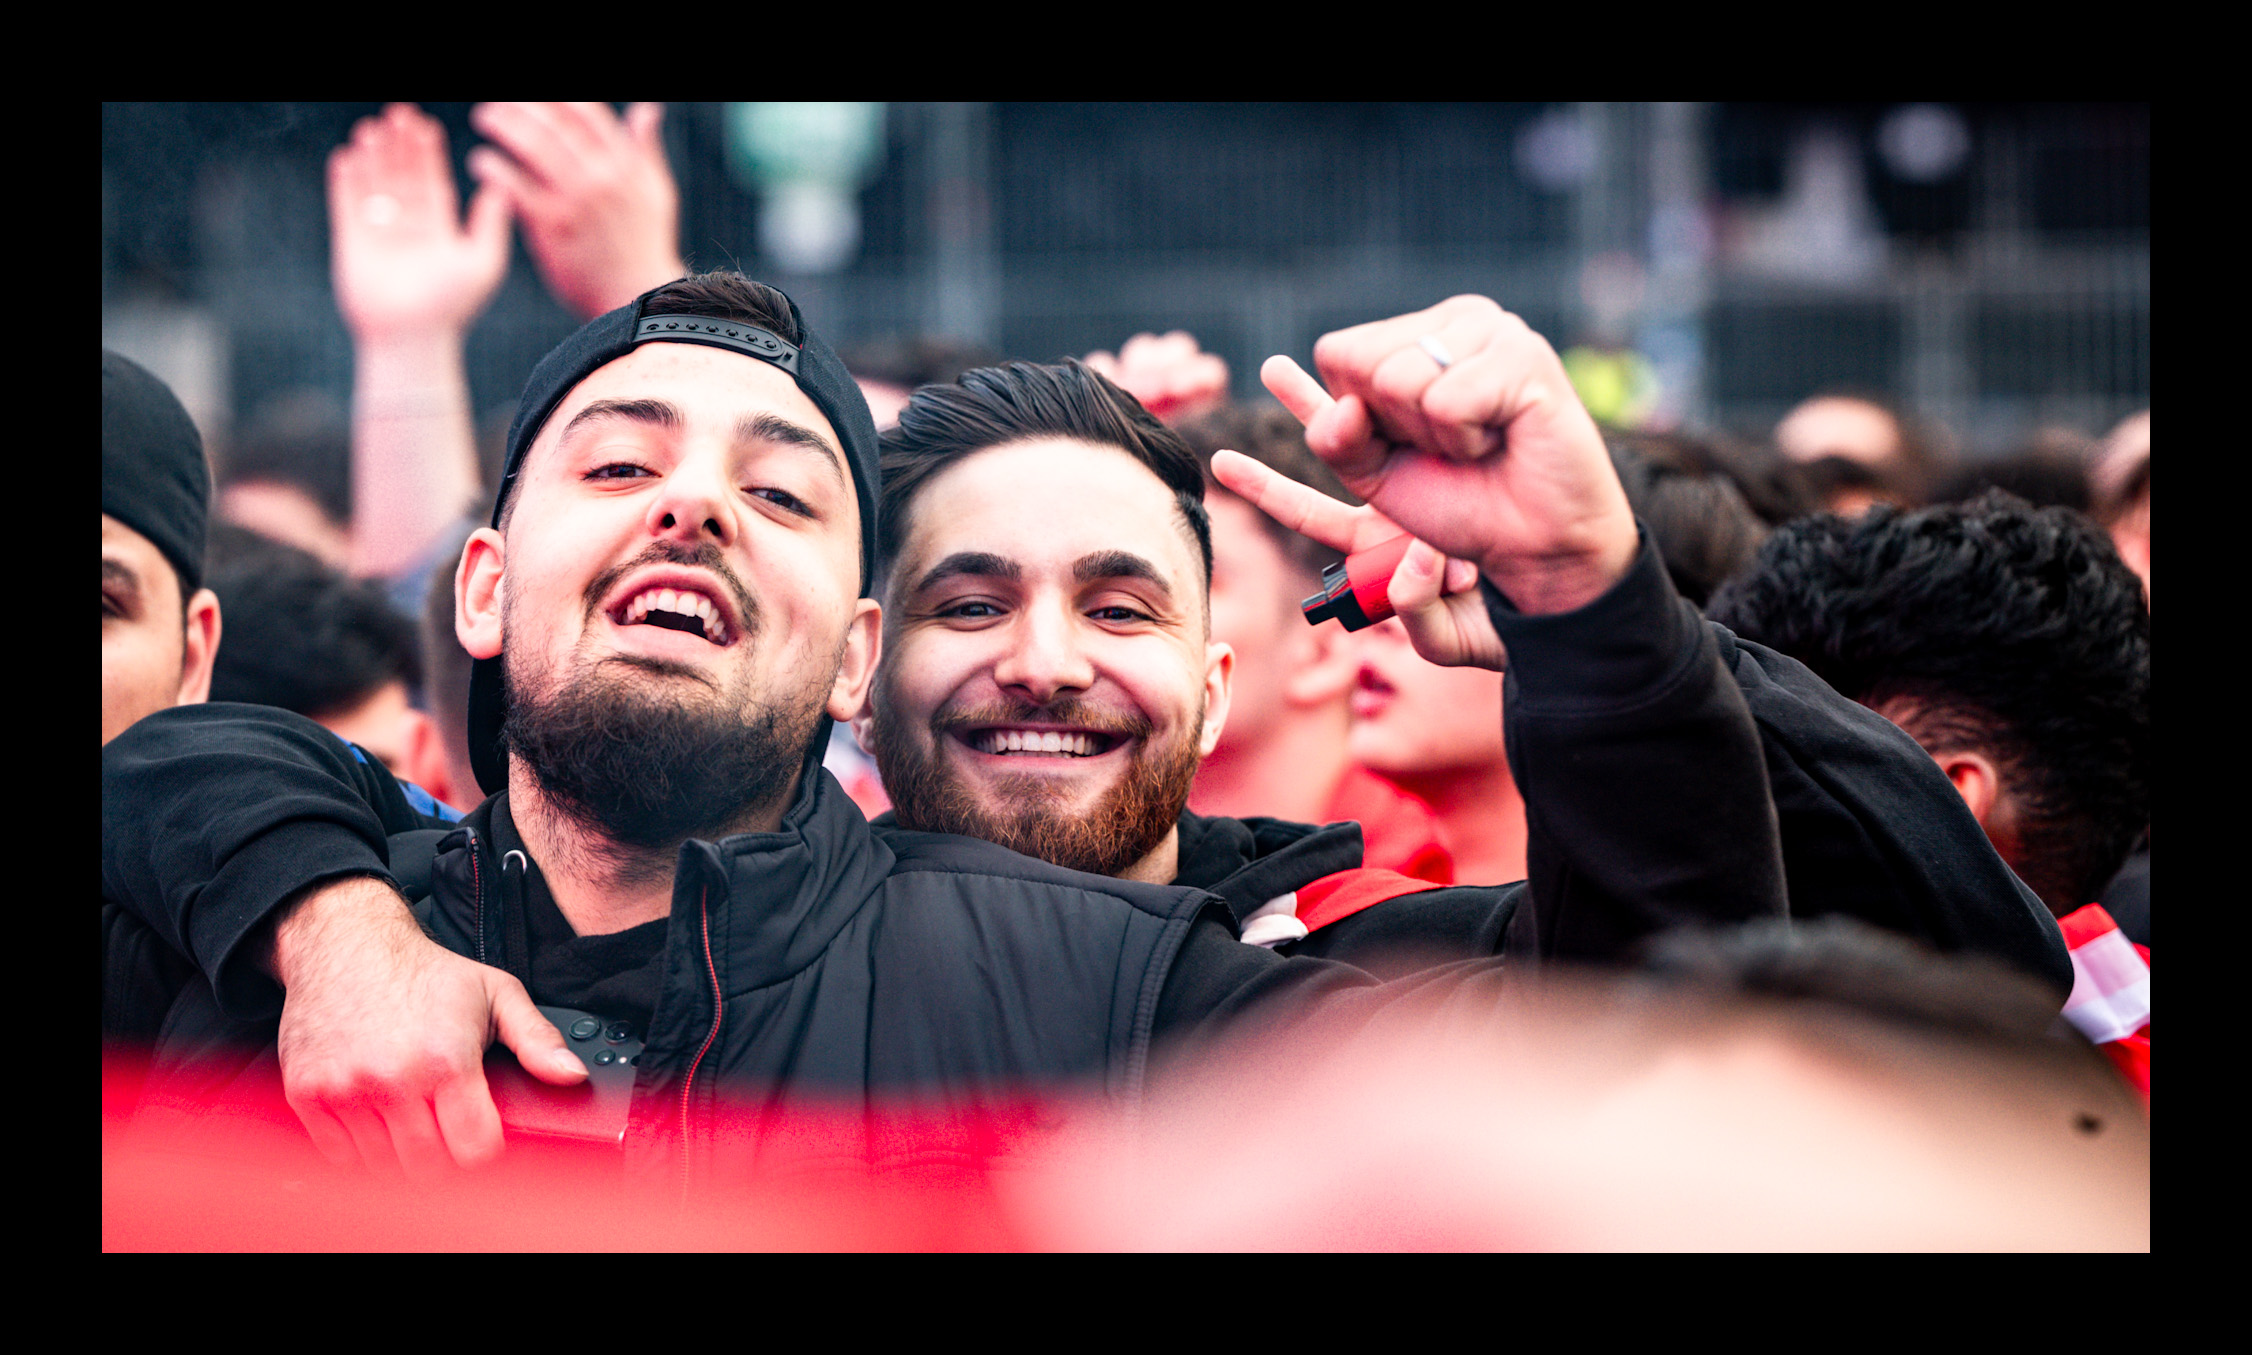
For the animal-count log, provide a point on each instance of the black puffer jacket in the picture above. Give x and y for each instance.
(820, 964)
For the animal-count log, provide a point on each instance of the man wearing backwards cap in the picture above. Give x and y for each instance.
(160, 625)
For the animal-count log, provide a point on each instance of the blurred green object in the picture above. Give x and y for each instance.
(1618, 385)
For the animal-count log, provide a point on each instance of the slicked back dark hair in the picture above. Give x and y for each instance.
(1020, 402)
(1989, 626)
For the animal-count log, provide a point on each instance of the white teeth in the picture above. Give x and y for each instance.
(1037, 742)
(683, 603)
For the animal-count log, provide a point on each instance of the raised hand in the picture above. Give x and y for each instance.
(403, 260)
(1172, 377)
(600, 212)
(1436, 598)
(1459, 424)
(383, 1034)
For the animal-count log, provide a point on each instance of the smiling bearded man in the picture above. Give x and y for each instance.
(1055, 686)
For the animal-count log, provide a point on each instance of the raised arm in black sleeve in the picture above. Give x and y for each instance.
(1645, 791)
(215, 815)
(1646, 797)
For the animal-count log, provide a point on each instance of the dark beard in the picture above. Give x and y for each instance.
(646, 772)
(1119, 829)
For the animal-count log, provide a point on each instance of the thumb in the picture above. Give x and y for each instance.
(1417, 582)
(535, 1041)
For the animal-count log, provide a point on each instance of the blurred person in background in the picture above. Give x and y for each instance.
(1860, 450)
(889, 370)
(288, 477)
(160, 625)
(1283, 753)
(310, 639)
(2014, 646)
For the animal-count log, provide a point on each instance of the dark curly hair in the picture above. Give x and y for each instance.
(1988, 626)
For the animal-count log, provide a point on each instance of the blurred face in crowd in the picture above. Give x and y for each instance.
(1255, 593)
(1048, 682)
(1413, 719)
(683, 551)
(155, 652)
(1835, 425)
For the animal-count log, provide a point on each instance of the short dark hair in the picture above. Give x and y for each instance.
(1704, 530)
(717, 296)
(1273, 437)
(1018, 402)
(2013, 631)
(305, 637)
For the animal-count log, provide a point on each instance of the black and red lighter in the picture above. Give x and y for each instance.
(1357, 592)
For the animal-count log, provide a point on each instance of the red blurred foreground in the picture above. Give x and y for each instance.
(1565, 1122)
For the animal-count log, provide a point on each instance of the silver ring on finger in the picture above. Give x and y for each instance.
(1435, 351)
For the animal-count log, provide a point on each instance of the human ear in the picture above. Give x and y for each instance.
(856, 667)
(1323, 668)
(201, 650)
(1219, 690)
(478, 593)
(1976, 780)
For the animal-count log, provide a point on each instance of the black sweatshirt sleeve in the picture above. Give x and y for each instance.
(1646, 797)
(215, 815)
(1645, 785)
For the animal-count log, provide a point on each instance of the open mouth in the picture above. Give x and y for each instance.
(1005, 741)
(1370, 695)
(680, 609)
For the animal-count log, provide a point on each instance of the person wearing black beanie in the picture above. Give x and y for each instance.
(160, 625)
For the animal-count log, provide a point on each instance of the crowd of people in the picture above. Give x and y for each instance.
(883, 742)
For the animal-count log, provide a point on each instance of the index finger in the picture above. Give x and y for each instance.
(1301, 508)
(1295, 387)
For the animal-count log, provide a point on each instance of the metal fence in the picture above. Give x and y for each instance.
(1758, 253)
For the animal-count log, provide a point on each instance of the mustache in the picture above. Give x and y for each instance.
(703, 555)
(1067, 710)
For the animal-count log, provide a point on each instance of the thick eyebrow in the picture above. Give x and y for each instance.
(656, 412)
(780, 431)
(121, 574)
(1119, 564)
(972, 563)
